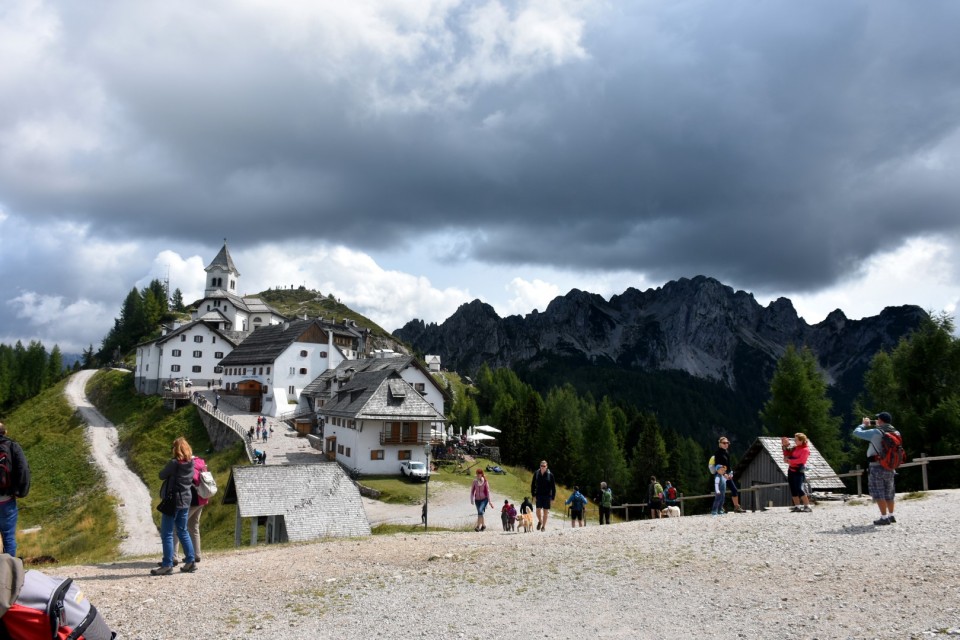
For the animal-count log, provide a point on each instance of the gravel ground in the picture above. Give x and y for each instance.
(775, 574)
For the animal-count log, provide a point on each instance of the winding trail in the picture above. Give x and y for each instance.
(140, 536)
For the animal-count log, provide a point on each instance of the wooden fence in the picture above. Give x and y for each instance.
(922, 461)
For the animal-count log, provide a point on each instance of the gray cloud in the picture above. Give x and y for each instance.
(774, 145)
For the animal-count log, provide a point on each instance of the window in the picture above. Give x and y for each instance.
(323, 354)
(175, 353)
(261, 370)
(183, 337)
(303, 371)
(218, 369)
(420, 387)
(218, 355)
(213, 339)
(175, 368)
(303, 353)
(376, 454)
(198, 354)
(148, 367)
(293, 370)
(196, 368)
(266, 389)
(233, 284)
(291, 390)
(403, 454)
(339, 448)
(198, 338)
(268, 370)
(347, 452)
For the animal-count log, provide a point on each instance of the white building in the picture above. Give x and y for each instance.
(375, 420)
(193, 350)
(267, 372)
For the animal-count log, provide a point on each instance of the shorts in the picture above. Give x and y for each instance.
(576, 514)
(880, 483)
(656, 504)
(796, 480)
(543, 503)
(482, 506)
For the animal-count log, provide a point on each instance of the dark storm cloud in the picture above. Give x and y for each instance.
(773, 144)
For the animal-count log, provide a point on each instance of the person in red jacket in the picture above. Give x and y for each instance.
(796, 456)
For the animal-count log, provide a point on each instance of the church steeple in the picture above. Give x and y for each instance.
(222, 273)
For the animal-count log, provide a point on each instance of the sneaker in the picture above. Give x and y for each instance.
(739, 510)
(796, 510)
(880, 522)
(538, 526)
(483, 527)
(806, 509)
(891, 518)
(161, 571)
(188, 567)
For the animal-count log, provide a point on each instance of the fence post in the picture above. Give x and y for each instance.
(681, 504)
(923, 470)
(859, 481)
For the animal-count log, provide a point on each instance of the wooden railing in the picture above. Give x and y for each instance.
(389, 438)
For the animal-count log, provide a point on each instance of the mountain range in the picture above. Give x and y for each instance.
(699, 334)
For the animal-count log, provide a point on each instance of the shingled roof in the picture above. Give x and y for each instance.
(817, 465)
(223, 261)
(380, 395)
(316, 500)
(232, 337)
(322, 387)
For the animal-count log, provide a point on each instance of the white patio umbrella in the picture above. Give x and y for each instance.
(480, 436)
(486, 428)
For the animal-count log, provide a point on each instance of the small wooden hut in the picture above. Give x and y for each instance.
(763, 464)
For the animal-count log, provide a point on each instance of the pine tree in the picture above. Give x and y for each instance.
(54, 366)
(176, 302)
(603, 458)
(650, 457)
(799, 403)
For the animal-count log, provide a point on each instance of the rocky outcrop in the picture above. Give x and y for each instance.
(699, 326)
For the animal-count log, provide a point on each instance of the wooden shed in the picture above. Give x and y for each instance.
(763, 464)
(297, 502)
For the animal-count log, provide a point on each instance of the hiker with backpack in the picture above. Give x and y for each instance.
(14, 483)
(670, 495)
(655, 498)
(577, 503)
(884, 454)
(796, 457)
(606, 503)
(176, 493)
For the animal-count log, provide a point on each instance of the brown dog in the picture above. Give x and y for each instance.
(525, 520)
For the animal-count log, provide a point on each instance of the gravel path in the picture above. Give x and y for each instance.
(774, 574)
(140, 535)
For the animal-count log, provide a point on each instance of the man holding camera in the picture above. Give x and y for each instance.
(880, 482)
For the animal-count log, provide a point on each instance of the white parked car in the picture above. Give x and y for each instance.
(414, 469)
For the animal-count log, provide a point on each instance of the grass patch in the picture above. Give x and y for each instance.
(68, 497)
(146, 431)
(916, 495)
(392, 529)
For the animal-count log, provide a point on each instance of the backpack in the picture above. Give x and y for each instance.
(711, 465)
(892, 454)
(579, 501)
(672, 493)
(48, 607)
(6, 467)
(208, 485)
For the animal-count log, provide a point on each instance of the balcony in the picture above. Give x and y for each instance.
(390, 438)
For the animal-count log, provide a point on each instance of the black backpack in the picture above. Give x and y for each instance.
(6, 467)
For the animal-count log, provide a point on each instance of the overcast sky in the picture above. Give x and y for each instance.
(409, 157)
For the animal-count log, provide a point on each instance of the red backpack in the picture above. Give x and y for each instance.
(48, 608)
(892, 454)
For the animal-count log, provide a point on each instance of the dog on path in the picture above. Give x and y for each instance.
(671, 512)
(525, 520)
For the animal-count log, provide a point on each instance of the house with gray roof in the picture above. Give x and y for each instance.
(268, 371)
(763, 463)
(297, 502)
(316, 394)
(374, 420)
(192, 350)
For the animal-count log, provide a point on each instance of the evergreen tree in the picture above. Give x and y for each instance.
(649, 458)
(54, 367)
(603, 458)
(799, 402)
(176, 302)
(919, 383)
(559, 439)
(88, 358)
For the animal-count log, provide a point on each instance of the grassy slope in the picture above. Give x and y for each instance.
(68, 498)
(147, 431)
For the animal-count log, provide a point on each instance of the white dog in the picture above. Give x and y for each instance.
(671, 512)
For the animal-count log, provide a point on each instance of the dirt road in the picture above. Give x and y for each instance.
(140, 535)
